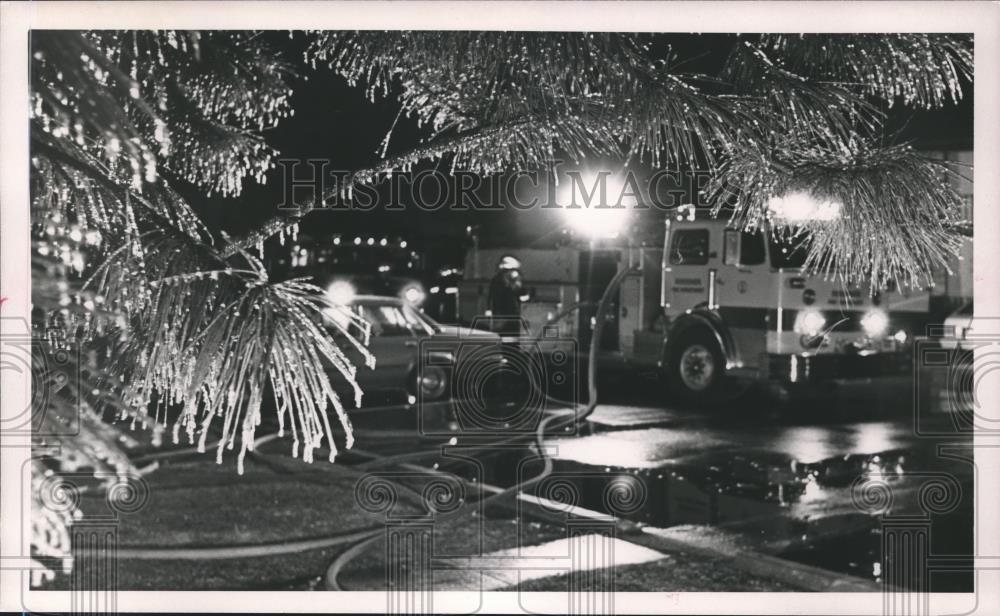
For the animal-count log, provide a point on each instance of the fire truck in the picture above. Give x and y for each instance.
(708, 305)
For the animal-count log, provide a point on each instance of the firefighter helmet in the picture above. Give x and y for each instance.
(509, 263)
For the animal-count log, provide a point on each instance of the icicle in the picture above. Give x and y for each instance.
(240, 458)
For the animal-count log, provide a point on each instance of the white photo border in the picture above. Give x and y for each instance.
(16, 19)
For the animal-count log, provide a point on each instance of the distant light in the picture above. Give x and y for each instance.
(384, 268)
(801, 206)
(336, 241)
(451, 291)
(402, 244)
(900, 337)
(383, 242)
(341, 292)
(357, 241)
(875, 322)
(435, 289)
(371, 241)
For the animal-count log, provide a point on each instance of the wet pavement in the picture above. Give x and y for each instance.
(816, 480)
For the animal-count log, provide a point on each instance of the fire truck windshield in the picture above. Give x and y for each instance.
(789, 248)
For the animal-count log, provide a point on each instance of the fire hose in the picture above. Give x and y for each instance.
(344, 558)
(363, 537)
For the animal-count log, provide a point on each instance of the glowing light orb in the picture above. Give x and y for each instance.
(596, 204)
(801, 206)
(875, 322)
(341, 292)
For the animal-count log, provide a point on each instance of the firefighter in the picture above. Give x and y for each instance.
(505, 297)
(504, 303)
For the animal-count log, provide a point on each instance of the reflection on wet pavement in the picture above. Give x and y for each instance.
(788, 490)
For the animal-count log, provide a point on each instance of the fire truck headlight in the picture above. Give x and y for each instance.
(875, 322)
(810, 322)
(340, 292)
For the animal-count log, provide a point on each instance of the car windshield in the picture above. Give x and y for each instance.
(386, 319)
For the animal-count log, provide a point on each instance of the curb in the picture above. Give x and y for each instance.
(759, 564)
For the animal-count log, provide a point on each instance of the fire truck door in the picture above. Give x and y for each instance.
(744, 292)
(689, 259)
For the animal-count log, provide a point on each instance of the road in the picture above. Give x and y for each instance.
(806, 478)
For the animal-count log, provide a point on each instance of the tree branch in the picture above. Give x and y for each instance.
(120, 193)
(285, 220)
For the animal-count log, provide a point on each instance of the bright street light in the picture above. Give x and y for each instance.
(801, 206)
(596, 204)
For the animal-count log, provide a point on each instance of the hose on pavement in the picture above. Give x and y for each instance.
(362, 537)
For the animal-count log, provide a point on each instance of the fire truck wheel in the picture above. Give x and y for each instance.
(697, 368)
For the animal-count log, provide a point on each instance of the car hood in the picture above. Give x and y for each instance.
(454, 331)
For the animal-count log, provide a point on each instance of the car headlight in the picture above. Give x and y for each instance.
(413, 294)
(340, 292)
(875, 323)
(809, 322)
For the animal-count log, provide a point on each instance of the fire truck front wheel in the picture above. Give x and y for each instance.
(697, 368)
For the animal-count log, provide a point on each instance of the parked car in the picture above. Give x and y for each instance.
(957, 326)
(399, 335)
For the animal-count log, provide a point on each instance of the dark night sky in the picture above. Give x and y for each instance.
(336, 122)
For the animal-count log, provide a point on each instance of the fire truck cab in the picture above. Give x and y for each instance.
(736, 304)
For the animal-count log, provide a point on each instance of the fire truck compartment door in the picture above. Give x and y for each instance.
(630, 314)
